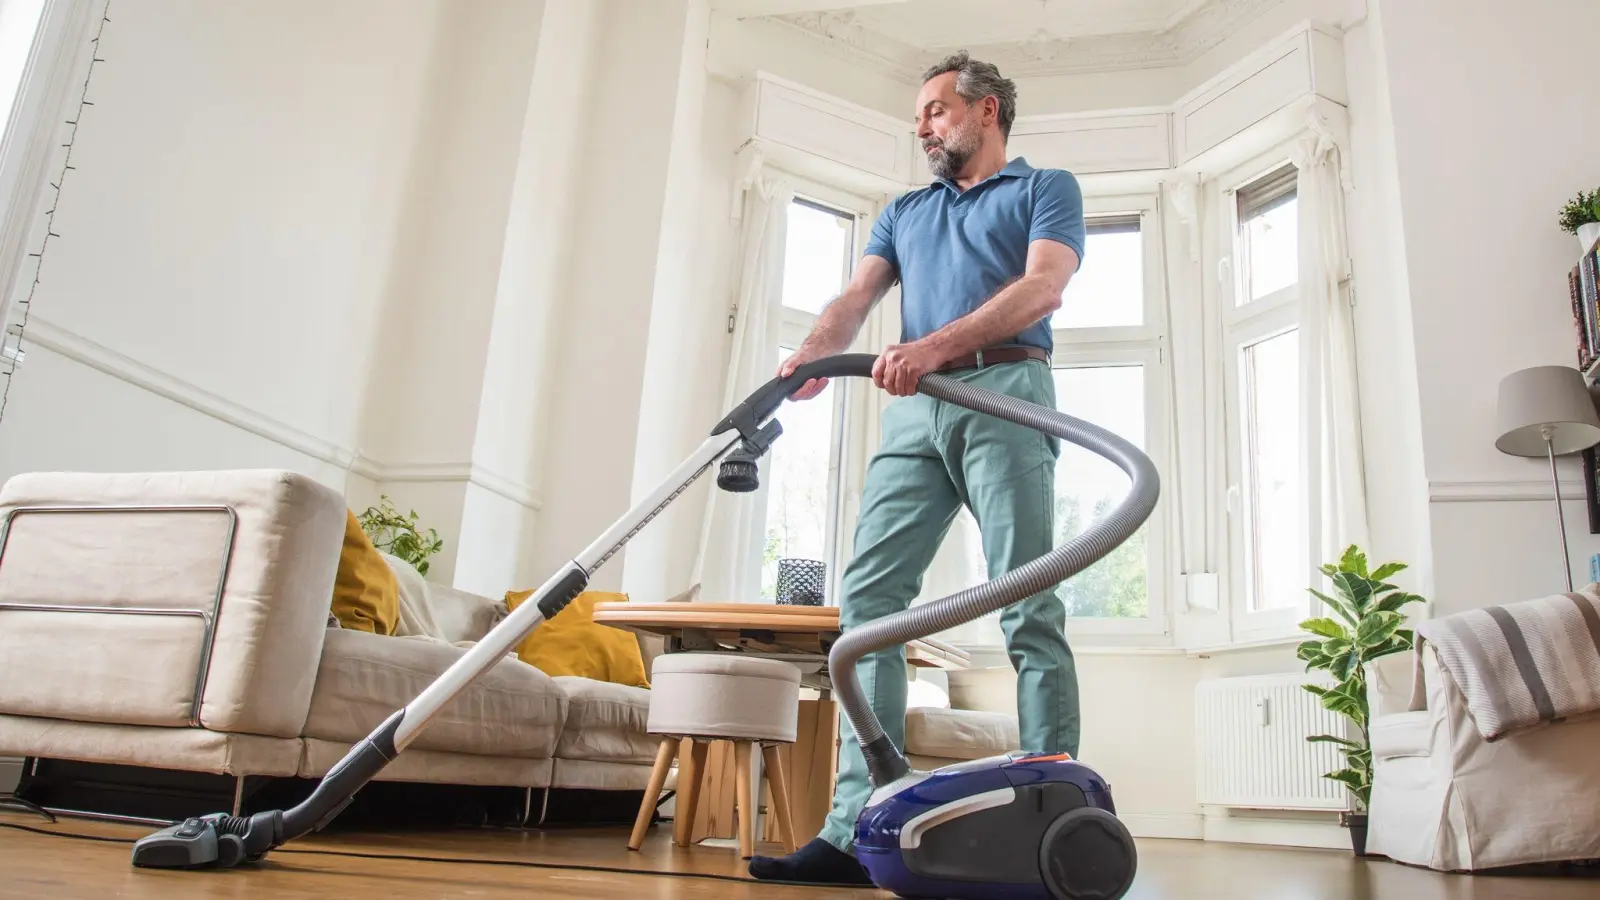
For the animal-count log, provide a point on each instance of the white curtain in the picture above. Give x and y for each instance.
(1329, 399)
(727, 567)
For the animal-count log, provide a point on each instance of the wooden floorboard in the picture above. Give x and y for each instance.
(33, 865)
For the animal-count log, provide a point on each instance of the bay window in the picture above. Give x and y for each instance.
(801, 477)
(1266, 492)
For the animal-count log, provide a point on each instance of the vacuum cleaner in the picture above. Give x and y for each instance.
(1014, 827)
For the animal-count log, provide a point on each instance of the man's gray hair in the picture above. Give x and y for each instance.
(977, 80)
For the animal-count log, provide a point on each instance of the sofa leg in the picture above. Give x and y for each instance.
(238, 793)
(544, 805)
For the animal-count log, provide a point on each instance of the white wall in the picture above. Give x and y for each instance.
(227, 237)
(594, 420)
(421, 408)
(1397, 488)
(1494, 128)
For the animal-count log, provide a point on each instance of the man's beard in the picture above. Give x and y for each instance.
(952, 154)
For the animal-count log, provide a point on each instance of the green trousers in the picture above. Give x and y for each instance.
(935, 457)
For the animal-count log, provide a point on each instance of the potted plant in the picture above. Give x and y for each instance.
(399, 535)
(1365, 626)
(1581, 216)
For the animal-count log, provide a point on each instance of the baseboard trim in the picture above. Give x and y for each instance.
(1165, 825)
(1280, 832)
(84, 351)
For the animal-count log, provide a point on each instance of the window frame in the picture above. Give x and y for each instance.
(794, 325)
(1241, 324)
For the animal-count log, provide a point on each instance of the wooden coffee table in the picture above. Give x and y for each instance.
(801, 635)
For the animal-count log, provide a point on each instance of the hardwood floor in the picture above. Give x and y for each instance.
(33, 865)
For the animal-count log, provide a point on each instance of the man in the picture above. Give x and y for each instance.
(982, 256)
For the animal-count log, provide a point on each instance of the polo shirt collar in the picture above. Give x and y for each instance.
(1017, 168)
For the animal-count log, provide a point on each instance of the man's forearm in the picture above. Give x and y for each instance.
(837, 326)
(1005, 315)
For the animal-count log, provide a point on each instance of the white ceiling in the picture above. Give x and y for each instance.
(934, 24)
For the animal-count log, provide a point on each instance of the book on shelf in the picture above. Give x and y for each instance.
(1583, 289)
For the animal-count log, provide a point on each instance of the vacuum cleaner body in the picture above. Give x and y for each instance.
(1023, 826)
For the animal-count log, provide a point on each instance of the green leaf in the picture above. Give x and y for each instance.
(1325, 627)
(1330, 739)
(1344, 664)
(1395, 601)
(1338, 606)
(1388, 570)
(1316, 689)
(1356, 590)
(1377, 627)
(1354, 561)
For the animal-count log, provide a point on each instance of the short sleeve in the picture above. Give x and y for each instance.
(881, 241)
(1058, 210)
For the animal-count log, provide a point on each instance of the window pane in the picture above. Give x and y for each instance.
(796, 478)
(1108, 290)
(1272, 245)
(1275, 518)
(1089, 486)
(817, 256)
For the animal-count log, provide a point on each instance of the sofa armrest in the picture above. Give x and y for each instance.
(160, 545)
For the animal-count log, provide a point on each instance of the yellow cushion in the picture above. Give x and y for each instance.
(366, 595)
(572, 644)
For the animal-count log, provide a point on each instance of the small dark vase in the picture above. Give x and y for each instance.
(1357, 823)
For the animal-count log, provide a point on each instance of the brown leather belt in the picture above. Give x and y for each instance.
(993, 355)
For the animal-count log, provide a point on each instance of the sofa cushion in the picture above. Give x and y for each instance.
(960, 733)
(606, 722)
(1401, 734)
(511, 710)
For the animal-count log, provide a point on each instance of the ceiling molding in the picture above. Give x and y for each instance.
(1202, 28)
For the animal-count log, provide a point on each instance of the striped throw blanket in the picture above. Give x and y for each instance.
(1523, 664)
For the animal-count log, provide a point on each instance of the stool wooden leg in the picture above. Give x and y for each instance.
(689, 790)
(658, 778)
(778, 789)
(747, 809)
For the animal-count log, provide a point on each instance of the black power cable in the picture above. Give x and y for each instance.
(463, 860)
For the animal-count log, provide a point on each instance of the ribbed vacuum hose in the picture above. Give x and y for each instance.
(884, 761)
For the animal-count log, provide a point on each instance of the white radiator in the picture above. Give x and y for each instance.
(1250, 734)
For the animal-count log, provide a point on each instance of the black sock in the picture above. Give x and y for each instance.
(818, 862)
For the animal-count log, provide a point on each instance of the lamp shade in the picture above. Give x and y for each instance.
(1546, 397)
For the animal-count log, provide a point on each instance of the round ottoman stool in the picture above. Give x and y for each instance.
(698, 698)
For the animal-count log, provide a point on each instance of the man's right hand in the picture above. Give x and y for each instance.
(813, 386)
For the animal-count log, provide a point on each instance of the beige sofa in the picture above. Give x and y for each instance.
(181, 621)
(1444, 798)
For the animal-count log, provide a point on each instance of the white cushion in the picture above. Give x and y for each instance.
(1401, 734)
(511, 710)
(724, 696)
(606, 722)
(960, 733)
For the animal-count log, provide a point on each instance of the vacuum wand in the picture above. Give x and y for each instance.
(220, 840)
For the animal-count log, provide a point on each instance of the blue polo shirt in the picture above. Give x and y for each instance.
(954, 249)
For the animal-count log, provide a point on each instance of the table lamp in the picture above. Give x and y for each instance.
(1547, 411)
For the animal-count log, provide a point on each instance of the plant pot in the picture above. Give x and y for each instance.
(1588, 233)
(1357, 823)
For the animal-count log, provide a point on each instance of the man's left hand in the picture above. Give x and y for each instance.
(901, 366)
